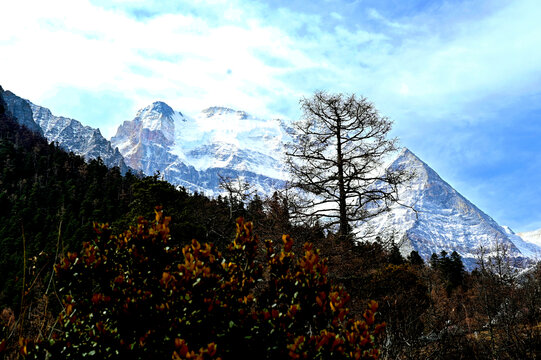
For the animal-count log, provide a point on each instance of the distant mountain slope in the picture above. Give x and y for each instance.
(436, 217)
(197, 152)
(70, 134)
(73, 136)
(533, 237)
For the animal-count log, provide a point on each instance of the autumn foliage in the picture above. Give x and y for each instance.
(138, 295)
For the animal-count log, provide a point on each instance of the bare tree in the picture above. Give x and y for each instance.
(238, 191)
(335, 160)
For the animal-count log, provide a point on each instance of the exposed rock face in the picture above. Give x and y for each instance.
(20, 109)
(436, 217)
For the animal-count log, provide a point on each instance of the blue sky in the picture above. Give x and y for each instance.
(460, 79)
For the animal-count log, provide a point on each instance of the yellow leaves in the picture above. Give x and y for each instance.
(23, 343)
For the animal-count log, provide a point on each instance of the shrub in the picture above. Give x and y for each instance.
(136, 295)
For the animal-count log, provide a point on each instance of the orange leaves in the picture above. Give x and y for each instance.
(97, 298)
(379, 328)
(288, 243)
(119, 279)
(247, 299)
(183, 352)
(296, 346)
(338, 300)
(309, 260)
(319, 301)
(145, 292)
(369, 313)
(69, 309)
(293, 310)
(373, 306)
(166, 279)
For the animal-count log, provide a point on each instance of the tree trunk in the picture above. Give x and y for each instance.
(343, 232)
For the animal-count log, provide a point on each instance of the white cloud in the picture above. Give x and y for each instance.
(75, 43)
(194, 61)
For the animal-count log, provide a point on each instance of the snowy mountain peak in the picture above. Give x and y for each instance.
(157, 108)
(436, 217)
(408, 160)
(156, 121)
(219, 110)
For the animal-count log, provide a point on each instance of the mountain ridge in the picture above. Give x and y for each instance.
(436, 217)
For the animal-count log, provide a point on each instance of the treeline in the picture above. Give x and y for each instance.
(49, 201)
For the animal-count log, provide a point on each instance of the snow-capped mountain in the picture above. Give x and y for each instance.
(436, 217)
(70, 134)
(197, 152)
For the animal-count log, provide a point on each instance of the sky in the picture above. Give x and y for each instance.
(460, 79)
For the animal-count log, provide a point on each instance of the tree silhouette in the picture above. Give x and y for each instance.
(334, 159)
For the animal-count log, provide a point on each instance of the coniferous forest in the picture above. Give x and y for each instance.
(108, 266)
